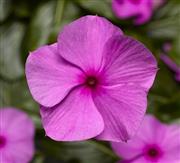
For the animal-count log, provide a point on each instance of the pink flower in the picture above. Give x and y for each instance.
(16, 136)
(92, 83)
(155, 142)
(141, 10)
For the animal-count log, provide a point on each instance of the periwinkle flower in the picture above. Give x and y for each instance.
(154, 142)
(16, 136)
(92, 83)
(140, 10)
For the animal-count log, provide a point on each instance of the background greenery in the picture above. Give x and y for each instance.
(28, 24)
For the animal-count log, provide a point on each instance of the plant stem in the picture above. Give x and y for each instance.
(59, 12)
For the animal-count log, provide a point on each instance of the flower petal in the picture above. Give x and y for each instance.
(18, 130)
(171, 143)
(14, 122)
(152, 131)
(75, 118)
(4, 158)
(21, 151)
(149, 132)
(82, 41)
(172, 137)
(127, 9)
(128, 61)
(135, 160)
(49, 77)
(141, 160)
(122, 108)
(128, 150)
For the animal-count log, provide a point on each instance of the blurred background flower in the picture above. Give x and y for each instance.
(154, 142)
(16, 136)
(26, 25)
(140, 10)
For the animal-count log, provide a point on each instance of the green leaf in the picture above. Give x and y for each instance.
(24, 98)
(21, 9)
(80, 152)
(40, 26)
(10, 44)
(97, 7)
(47, 22)
(5, 7)
(38, 158)
(65, 12)
(163, 99)
(175, 52)
(4, 95)
(16, 94)
(166, 23)
(70, 12)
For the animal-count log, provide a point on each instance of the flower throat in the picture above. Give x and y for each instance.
(91, 81)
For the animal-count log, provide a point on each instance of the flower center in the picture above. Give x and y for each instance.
(153, 153)
(2, 141)
(91, 81)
